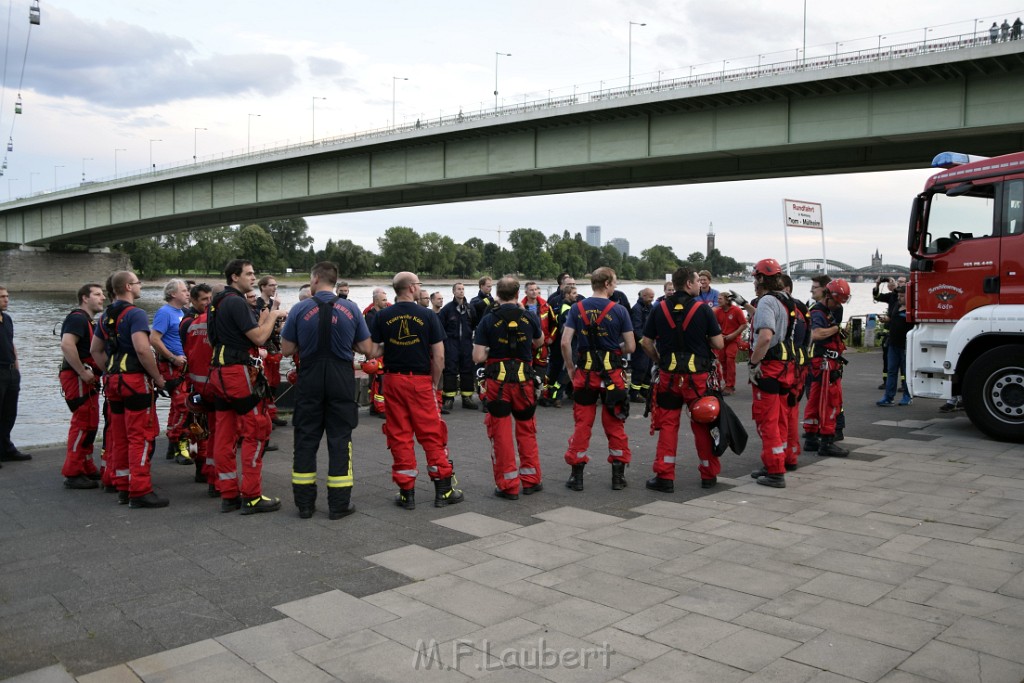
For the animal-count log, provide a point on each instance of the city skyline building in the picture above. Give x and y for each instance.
(594, 235)
(621, 245)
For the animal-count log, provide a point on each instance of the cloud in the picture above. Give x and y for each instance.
(119, 65)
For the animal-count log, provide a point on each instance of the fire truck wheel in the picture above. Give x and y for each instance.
(994, 393)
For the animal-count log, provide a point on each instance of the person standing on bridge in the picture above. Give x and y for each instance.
(79, 382)
(993, 32)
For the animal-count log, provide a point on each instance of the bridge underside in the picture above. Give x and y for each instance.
(860, 119)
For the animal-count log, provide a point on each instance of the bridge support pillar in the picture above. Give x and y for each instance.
(34, 269)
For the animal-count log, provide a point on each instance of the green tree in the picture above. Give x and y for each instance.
(569, 256)
(662, 260)
(352, 260)
(611, 257)
(629, 268)
(528, 249)
(252, 242)
(490, 253)
(147, 256)
(695, 261)
(504, 263)
(400, 249)
(212, 249)
(291, 239)
(467, 260)
(438, 254)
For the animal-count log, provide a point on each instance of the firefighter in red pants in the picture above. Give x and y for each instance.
(240, 387)
(412, 342)
(166, 343)
(732, 320)
(79, 380)
(505, 341)
(681, 336)
(121, 343)
(771, 370)
(272, 362)
(605, 335)
(199, 393)
(802, 365)
(825, 399)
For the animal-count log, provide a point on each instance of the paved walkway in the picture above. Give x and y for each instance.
(904, 562)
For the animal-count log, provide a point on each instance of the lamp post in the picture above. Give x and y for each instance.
(195, 144)
(248, 133)
(116, 150)
(924, 43)
(631, 25)
(805, 32)
(496, 56)
(394, 80)
(85, 159)
(315, 98)
(152, 167)
(55, 177)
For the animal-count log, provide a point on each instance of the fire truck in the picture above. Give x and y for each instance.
(966, 290)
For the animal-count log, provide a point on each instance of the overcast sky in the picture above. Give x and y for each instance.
(104, 75)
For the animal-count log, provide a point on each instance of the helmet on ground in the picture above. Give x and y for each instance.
(705, 410)
(768, 267)
(839, 290)
(370, 367)
(293, 376)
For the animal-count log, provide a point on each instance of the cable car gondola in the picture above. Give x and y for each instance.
(10, 144)
(17, 105)
(33, 13)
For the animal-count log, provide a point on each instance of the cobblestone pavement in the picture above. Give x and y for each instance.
(901, 563)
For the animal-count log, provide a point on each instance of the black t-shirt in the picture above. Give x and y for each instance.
(6, 339)
(233, 318)
(407, 331)
(702, 325)
(508, 339)
(79, 324)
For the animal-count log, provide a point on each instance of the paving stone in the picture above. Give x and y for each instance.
(985, 636)
(436, 623)
(335, 613)
(270, 640)
(548, 532)
(846, 588)
(783, 628)
(575, 615)
(50, 674)
(966, 574)
(476, 524)
(645, 621)
(758, 535)
(748, 649)
(901, 548)
(396, 603)
(616, 591)
(664, 508)
(971, 554)
(848, 656)
(745, 579)
(651, 545)
(651, 524)
(536, 554)
(973, 602)
(390, 661)
(416, 562)
(684, 667)
(714, 601)
(620, 562)
(291, 668)
(862, 566)
(339, 647)
(225, 667)
(575, 660)
(917, 611)
(784, 671)
(467, 599)
(162, 661)
(789, 605)
(693, 632)
(560, 574)
(951, 664)
(115, 674)
(871, 624)
(497, 572)
(628, 644)
(573, 516)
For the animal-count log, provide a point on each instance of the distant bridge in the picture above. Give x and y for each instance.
(805, 268)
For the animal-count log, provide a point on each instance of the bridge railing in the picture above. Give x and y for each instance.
(704, 78)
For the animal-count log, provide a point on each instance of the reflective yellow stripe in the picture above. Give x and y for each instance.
(691, 364)
(303, 478)
(340, 482)
(501, 372)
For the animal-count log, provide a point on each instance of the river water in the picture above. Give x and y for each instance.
(43, 415)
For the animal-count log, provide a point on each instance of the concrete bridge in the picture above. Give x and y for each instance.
(886, 110)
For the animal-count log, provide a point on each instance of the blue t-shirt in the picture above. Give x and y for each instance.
(607, 336)
(347, 326)
(710, 298)
(166, 322)
(407, 331)
(506, 341)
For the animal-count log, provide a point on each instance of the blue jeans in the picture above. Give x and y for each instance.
(897, 365)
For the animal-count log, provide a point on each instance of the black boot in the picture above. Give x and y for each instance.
(199, 477)
(658, 484)
(811, 442)
(776, 481)
(444, 494)
(469, 403)
(447, 403)
(305, 498)
(172, 450)
(575, 481)
(406, 498)
(828, 448)
(339, 502)
(618, 475)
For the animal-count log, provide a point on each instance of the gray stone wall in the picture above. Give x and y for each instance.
(45, 271)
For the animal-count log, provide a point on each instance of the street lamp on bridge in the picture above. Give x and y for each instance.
(631, 25)
(85, 159)
(315, 98)
(248, 133)
(152, 166)
(394, 80)
(195, 143)
(496, 55)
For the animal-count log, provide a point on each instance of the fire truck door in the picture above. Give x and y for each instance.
(1011, 244)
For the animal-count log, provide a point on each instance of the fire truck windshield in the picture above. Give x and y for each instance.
(952, 219)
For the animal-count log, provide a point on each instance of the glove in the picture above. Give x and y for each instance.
(738, 298)
(754, 369)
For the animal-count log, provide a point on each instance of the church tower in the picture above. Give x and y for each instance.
(711, 240)
(876, 259)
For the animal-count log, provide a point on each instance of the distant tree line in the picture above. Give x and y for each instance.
(275, 246)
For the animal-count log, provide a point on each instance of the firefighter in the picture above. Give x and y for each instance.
(166, 343)
(553, 387)
(771, 369)
(483, 301)
(412, 342)
(376, 389)
(457, 321)
(505, 341)
(200, 396)
(605, 334)
(825, 398)
(732, 321)
(801, 367)
(681, 337)
(325, 329)
(536, 304)
(121, 344)
(240, 387)
(79, 381)
(640, 363)
(272, 361)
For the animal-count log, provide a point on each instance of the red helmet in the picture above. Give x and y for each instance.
(705, 410)
(839, 290)
(768, 267)
(370, 367)
(293, 376)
